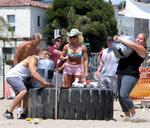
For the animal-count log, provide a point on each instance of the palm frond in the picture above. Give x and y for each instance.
(5, 29)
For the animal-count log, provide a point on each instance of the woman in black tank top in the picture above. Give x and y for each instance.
(128, 74)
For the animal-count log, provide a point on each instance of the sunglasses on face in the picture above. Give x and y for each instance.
(59, 40)
(72, 37)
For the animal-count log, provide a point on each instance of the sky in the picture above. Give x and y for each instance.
(115, 2)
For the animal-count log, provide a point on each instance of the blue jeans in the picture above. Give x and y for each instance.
(125, 85)
(108, 82)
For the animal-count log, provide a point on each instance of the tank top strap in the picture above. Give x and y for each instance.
(75, 53)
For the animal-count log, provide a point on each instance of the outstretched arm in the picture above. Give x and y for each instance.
(63, 56)
(32, 66)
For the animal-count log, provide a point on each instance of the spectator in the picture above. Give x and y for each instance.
(27, 48)
(100, 53)
(75, 54)
(107, 68)
(19, 79)
(55, 52)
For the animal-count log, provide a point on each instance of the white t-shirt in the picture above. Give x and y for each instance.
(110, 62)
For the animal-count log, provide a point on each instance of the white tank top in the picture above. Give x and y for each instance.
(19, 71)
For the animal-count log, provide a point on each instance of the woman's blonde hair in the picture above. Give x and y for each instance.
(81, 39)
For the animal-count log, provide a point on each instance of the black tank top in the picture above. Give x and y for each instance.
(130, 65)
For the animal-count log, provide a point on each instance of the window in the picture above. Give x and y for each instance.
(8, 52)
(38, 21)
(11, 22)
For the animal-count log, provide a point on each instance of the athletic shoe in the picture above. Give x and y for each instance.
(22, 116)
(134, 118)
(8, 115)
(127, 118)
(10, 98)
(20, 113)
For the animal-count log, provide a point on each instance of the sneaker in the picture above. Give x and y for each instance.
(20, 113)
(134, 118)
(10, 98)
(8, 115)
(127, 118)
(22, 116)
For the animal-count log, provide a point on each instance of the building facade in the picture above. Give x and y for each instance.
(26, 17)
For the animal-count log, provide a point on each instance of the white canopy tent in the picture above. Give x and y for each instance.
(137, 9)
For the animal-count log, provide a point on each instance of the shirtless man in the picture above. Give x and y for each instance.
(18, 78)
(27, 48)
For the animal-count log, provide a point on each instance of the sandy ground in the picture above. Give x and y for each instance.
(118, 122)
(49, 123)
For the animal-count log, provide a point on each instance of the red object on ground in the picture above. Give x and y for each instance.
(87, 83)
(7, 90)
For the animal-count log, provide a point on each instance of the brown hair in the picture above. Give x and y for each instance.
(56, 39)
(145, 39)
(109, 39)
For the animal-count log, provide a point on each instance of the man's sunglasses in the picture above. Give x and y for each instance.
(59, 40)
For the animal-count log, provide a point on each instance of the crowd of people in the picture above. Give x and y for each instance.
(70, 60)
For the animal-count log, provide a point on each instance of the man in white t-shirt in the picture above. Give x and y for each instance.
(106, 71)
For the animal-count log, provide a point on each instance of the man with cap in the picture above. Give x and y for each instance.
(54, 50)
(75, 54)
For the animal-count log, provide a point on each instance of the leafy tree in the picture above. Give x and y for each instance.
(95, 18)
(5, 29)
(122, 5)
